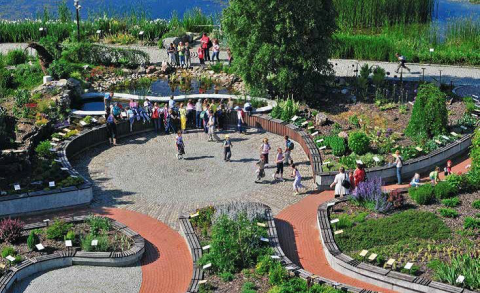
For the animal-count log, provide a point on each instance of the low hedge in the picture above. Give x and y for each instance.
(422, 195)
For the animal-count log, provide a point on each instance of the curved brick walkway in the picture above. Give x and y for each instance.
(300, 237)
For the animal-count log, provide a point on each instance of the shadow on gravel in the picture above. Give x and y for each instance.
(198, 158)
(286, 235)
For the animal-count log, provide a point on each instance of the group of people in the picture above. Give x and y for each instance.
(433, 176)
(345, 183)
(181, 55)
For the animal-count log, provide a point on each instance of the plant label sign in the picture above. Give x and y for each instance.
(261, 225)
(94, 120)
(460, 279)
(94, 242)
(338, 232)
(40, 247)
(68, 243)
(311, 127)
(304, 123)
(463, 127)
(322, 148)
(10, 258)
(83, 123)
(315, 133)
(264, 239)
(320, 140)
(99, 31)
(376, 159)
(194, 215)
(364, 253)
(64, 169)
(454, 133)
(438, 142)
(51, 184)
(141, 33)
(330, 204)
(206, 247)
(419, 149)
(445, 137)
(372, 256)
(390, 262)
(335, 221)
(202, 282)
(294, 118)
(53, 144)
(275, 257)
(359, 162)
(408, 265)
(326, 163)
(16, 187)
(207, 266)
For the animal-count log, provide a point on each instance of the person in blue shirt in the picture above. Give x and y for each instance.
(171, 103)
(108, 100)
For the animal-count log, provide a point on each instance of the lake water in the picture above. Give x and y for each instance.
(18, 9)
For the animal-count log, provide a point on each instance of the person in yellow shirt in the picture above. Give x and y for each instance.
(183, 117)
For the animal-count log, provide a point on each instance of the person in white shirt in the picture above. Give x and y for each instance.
(340, 188)
(198, 111)
(297, 182)
(216, 51)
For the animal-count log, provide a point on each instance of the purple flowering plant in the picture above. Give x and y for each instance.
(370, 194)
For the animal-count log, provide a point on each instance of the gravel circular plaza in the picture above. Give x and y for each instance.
(143, 174)
(77, 279)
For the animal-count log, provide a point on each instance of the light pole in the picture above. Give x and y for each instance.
(77, 8)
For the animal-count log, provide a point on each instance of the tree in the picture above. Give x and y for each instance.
(281, 47)
(429, 116)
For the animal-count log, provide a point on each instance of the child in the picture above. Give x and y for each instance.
(448, 169)
(265, 149)
(434, 176)
(180, 145)
(297, 183)
(279, 162)
(227, 149)
(200, 55)
(261, 168)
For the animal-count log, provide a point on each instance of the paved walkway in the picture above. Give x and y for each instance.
(459, 75)
(300, 237)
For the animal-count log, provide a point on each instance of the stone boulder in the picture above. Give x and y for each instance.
(343, 134)
(321, 119)
(176, 40)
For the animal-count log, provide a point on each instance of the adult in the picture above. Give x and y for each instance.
(359, 175)
(190, 114)
(131, 117)
(111, 129)
(227, 148)
(399, 164)
(434, 176)
(265, 149)
(229, 56)
(402, 60)
(297, 182)
(220, 116)
(279, 162)
(240, 120)
(211, 126)
(171, 54)
(181, 54)
(188, 56)
(198, 112)
(169, 120)
(183, 118)
(206, 45)
(156, 117)
(288, 151)
(171, 103)
(342, 188)
(117, 111)
(108, 100)
(247, 107)
(230, 105)
(147, 105)
(216, 51)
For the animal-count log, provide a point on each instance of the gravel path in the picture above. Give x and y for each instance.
(459, 75)
(144, 175)
(80, 279)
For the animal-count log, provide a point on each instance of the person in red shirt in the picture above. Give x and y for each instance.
(200, 55)
(206, 44)
(359, 174)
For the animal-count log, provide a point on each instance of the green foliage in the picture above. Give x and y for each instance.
(444, 190)
(459, 182)
(264, 265)
(61, 69)
(98, 224)
(471, 223)
(354, 121)
(358, 142)
(469, 105)
(235, 244)
(227, 276)
(408, 225)
(8, 250)
(285, 109)
(476, 204)
(58, 229)
(378, 76)
(448, 213)
(248, 287)
(16, 57)
(32, 240)
(337, 144)
(451, 202)
(429, 116)
(463, 265)
(277, 274)
(28, 76)
(43, 150)
(422, 195)
(265, 63)
(102, 246)
(204, 218)
(70, 236)
(87, 119)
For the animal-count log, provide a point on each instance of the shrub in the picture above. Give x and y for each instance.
(459, 182)
(471, 223)
(476, 204)
(354, 121)
(248, 287)
(448, 213)
(459, 265)
(469, 105)
(43, 150)
(8, 250)
(264, 265)
(386, 231)
(370, 192)
(10, 230)
(70, 236)
(277, 274)
(32, 240)
(227, 276)
(358, 142)
(337, 144)
(15, 57)
(87, 119)
(204, 218)
(422, 195)
(102, 246)
(451, 202)
(98, 224)
(444, 190)
(61, 69)
(58, 229)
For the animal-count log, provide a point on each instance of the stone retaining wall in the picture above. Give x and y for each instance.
(378, 276)
(62, 259)
(422, 165)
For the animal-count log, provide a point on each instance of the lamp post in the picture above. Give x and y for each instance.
(77, 8)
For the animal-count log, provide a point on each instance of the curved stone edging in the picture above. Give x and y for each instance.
(197, 252)
(68, 258)
(420, 165)
(378, 276)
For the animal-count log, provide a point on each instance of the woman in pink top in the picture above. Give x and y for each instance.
(133, 104)
(206, 44)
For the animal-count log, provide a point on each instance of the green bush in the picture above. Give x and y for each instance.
(32, 240)
(227, 276)
(386, 231)
(476, 204)
(471, 223)
(463, 265)
(16, 57)
(58, 229)
(444, 190)
(8, 250)
(70, 236)
(277, 274)
(459, 182)
(451, 202)
(448, 213)
(61, 69)
(43, 150)
(358, 142)
(337, 144)
(469, 105)
(98, 224)
(102, 246)
(264, 265)
(354, 121)
(422, 195)
(248, 287)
